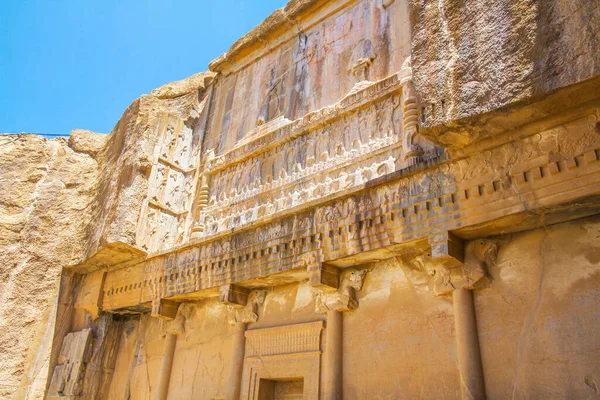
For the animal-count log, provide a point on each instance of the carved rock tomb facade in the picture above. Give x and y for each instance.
(361, 199)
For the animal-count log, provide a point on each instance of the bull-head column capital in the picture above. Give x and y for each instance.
(340, 295)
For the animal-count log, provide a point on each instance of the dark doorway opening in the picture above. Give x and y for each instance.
(281, 389)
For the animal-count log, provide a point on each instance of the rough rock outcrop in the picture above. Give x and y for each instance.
(472, 57)
(47, 191)
(62, 200)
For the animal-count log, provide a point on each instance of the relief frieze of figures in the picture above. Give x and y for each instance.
(448, 178)
(172, 185)
(346, 153)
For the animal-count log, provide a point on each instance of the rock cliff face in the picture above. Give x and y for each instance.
(60, 201)
(353, 183)
(471, 57)
(48, 190)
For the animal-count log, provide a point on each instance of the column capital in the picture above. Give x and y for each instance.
(245, 312)
(442, 272)
(177, 325)
(344, 298)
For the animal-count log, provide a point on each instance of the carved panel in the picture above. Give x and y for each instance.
(334, 149)
(336, 43)
(292, 351)
(165, 221)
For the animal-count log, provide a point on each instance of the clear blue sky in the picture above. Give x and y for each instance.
(79, 63)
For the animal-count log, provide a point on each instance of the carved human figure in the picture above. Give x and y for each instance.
(167, 141)
(322, 147)
(363, 127)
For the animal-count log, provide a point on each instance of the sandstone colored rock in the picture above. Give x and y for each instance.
(473, 57)
(179, 88)
(361, 199)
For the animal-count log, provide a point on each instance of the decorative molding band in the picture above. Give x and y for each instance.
(284, 340)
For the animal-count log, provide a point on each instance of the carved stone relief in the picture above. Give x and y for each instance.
(430, 275)
(344, 298)
(248, 313)
(175, 183)
(345, 154)
(392, 212)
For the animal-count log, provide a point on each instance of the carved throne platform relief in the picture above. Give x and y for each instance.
(283, 362)
(273, 144)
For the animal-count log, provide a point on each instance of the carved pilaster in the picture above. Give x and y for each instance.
(201, 203)
(451, 270)
(472, 383)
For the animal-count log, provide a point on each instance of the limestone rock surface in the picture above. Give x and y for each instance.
(184, 86)
(471, 57)
(47, 189)
(61, 201)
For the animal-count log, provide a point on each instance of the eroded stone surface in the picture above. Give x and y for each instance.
(46, 191)
(474, 57)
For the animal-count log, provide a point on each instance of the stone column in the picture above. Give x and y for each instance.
(166, 363)
(175, 328)
(472, 384)
(243, 310)
(237, 361)
(333, 357)
(334, 297)
(463, 269)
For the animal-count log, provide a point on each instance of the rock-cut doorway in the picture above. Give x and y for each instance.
(281, 389)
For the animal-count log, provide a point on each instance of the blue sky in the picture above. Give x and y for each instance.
(79, 63)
